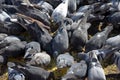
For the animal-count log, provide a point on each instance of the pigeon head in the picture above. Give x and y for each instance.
(13, 74)
(32, 48)
(64, 60)
(93, 56)
(29, 53)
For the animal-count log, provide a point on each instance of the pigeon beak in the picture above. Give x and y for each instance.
(27, 54)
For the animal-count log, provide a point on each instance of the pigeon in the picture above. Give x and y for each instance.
(77, 70)
(2, 1)
(34, 13)
(14, 49)
(83, 56)
(31, 49)
(10, 9)
(64, 60)
(12, 28)
(2, 36)
(80, 12)
(80, 35)
(99, 39)
(95, 70)
(113, 41)
(3, 62)
(72, 6)
(40, 35)
(114, 19)
(60, 42)
(17, 71)
(116, 59)
(46, 7)
(8, 40)
(60, 12)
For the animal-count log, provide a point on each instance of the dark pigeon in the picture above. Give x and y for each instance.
(95, 70)
(3, 62)
(72, 6)
(46, 7)
(40, 59)
(11, 28)
(60, 42)
(14, 49)
(34, 13)
(80, 35)
(99, 39)
(40, 35)
(8, 40)
(114, 19)
(78, 70)
(113, 41)
(60, 12)
(25, 72)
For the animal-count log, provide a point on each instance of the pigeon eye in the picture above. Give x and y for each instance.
(32, 47)
(22, 75)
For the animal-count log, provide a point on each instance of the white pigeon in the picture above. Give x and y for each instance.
(41, 58)
(60, 12)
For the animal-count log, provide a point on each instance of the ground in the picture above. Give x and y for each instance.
(110, 69)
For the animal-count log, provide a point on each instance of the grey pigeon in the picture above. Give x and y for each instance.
(31, 49)
(8, 40)
(80, 34)
(95, 70)
(99, 39)
(60, 42)
(77, 71)
(116, 59)
(72, 6)
(2, 36)
(40, 35)
(64, 60)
